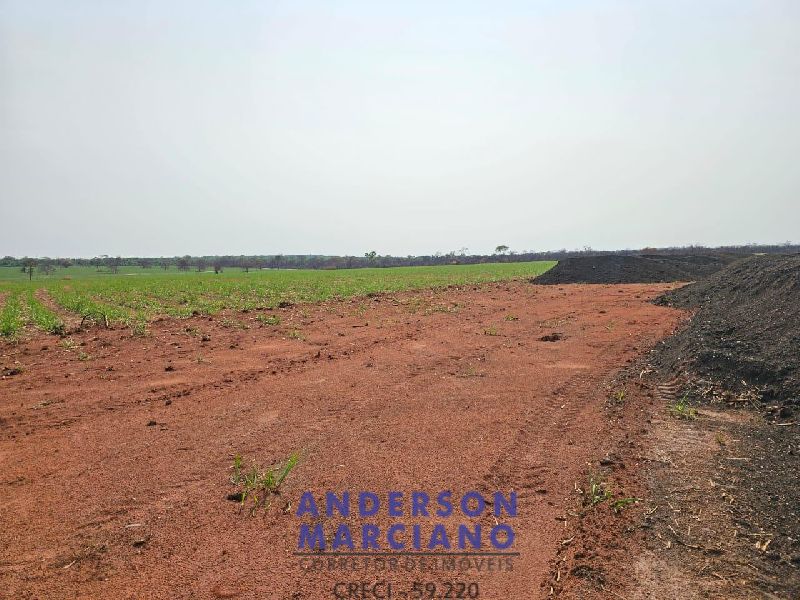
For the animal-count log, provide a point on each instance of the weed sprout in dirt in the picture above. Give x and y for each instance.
(256, 485)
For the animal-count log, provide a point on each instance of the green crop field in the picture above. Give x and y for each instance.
(134, 296)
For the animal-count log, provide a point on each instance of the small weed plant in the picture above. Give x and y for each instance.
(256, 484)
(682, 410)
(599, 491)
(269, 319)
(229, 323)
(139, 328)
(622, 503)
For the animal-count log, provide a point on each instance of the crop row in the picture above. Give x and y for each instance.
(24, 308)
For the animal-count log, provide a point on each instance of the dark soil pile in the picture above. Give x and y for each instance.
(647, 268)
(746, 331)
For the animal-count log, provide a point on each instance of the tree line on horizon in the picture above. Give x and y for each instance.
(502, 253)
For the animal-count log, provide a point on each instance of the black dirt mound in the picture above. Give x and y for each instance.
(648, 268)
(746, 331)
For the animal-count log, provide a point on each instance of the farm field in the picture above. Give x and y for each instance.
(135, 296)
(169, 460)
(116, 450)
(399, 301)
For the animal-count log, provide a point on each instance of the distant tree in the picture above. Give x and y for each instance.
(245, 263)
(28, 265)
(501, 249)
(164, 263)
(114, 264)
(218, 265)
(47, 267)
(144, 263)
(183, 263)
(371, 256)
(200, 263)
(98, 261)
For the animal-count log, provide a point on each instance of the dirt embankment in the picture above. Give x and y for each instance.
(746, 331)
(633, 269)
(738, 363)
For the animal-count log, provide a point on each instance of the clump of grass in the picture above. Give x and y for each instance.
(139, 327)
(257, 485)
(69, 344)
(234, 324)
(596, 492)
(269, 319)
(443, 308)
(599, 491)
(82, 356)
(618, 397)
(491, 331)
(510, 318)
(682, 410)
(296, 334)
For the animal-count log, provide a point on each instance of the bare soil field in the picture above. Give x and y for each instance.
(115, 451)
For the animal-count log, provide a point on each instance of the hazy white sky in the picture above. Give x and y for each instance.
(164, 128)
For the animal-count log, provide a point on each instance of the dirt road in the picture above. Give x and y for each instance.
(115, 452)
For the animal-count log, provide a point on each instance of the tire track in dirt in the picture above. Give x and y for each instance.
(526, 464)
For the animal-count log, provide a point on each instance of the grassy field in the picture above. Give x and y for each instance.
(134, 296)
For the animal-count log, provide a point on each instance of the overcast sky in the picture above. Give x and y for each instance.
(232, 127)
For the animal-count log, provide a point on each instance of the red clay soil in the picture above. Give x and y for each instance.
(448, 390)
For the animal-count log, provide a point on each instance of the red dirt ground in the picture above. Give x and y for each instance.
(417, 391)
